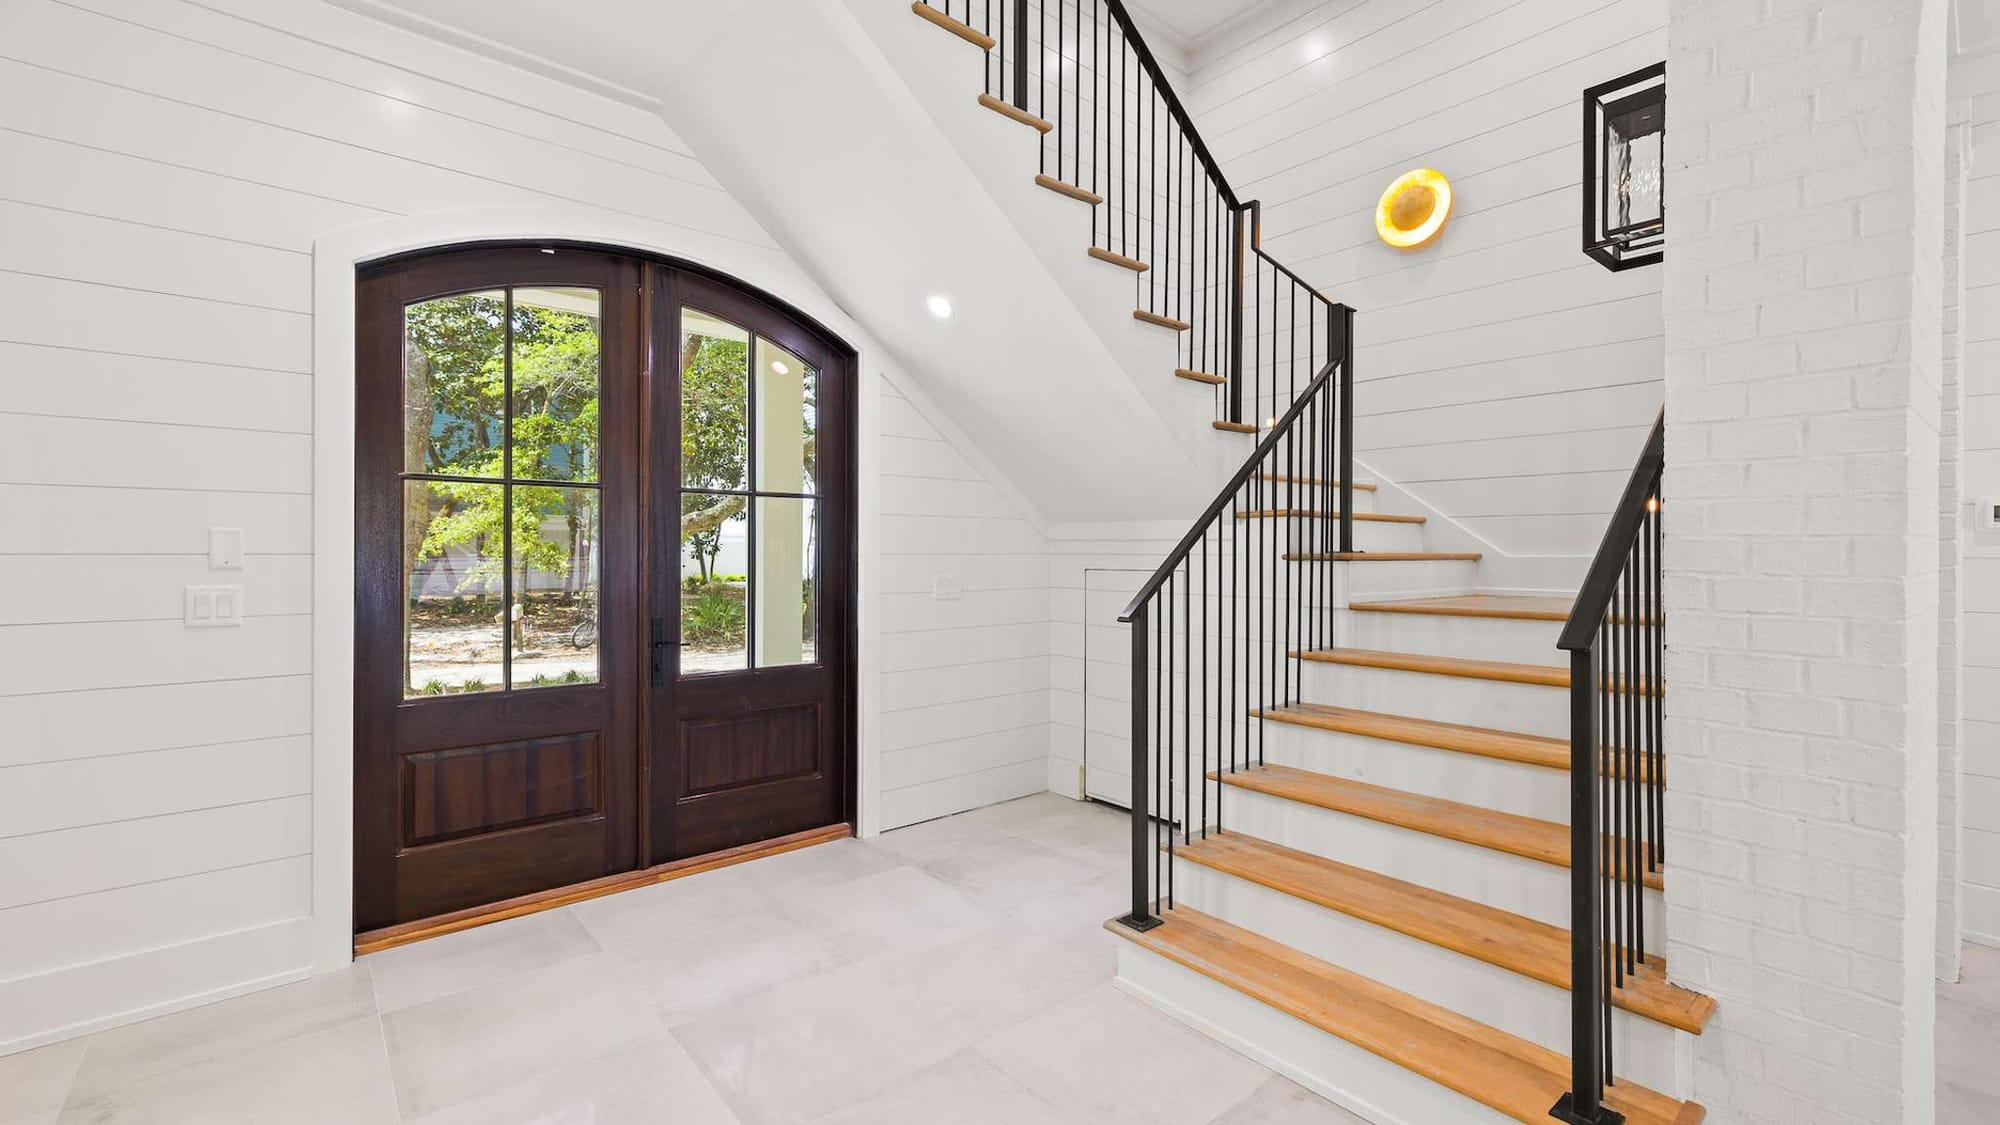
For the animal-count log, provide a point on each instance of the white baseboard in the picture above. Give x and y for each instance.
(78, 1000)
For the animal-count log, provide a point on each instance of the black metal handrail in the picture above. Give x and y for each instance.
(1615, 637)
(1214, 627)
(1117, 134)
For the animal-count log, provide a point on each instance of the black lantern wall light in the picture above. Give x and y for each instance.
(1624, 169)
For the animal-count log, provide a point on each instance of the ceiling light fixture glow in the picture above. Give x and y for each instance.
(778, 368)
(939, 306)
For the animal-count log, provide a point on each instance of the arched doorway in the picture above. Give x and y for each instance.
(603, 573)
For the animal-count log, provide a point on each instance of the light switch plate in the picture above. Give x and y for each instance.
(1988, 513)
(225, 548)
(947, 588)
(212, 607)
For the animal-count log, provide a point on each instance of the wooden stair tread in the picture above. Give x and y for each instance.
(1544, 841)
(1522, 945)
(1284, 478)
(1117, 259)
(1545, 675)
(1485, 1064)
(1502, 671)
(1235, 427)
(963, 31)
(1304, 513)
(1528, 749)
(1154, 318)
(1387, 556)
(1081, 195)
(1505, 745)
(1511, 607)
(1014, 113)
(1199, 376)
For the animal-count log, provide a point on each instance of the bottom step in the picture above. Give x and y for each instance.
(1509, 1075)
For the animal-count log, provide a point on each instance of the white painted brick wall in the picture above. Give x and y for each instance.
(1803, 360)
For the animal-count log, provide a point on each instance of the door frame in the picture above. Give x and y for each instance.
(328, 933)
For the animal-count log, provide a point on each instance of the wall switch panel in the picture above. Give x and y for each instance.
(1988, 513)
(213, 607)
(947, 588)
(225, 548)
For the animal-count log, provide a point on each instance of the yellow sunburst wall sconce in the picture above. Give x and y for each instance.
(1414, 209)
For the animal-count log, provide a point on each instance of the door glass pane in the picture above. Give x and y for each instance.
(785, 607)
(556, 378)
(454, 385)
(715, 402)
(715, 555)
(452, 575)
(787, 421)
(556, 539)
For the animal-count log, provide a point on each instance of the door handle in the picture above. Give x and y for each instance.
(660, 645)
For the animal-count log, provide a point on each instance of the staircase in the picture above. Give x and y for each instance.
(1383, 819)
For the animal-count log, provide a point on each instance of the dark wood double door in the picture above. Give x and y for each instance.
(604, 586)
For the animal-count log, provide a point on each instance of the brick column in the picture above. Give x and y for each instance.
(1805, 189)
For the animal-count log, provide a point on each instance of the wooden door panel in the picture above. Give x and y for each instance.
(468, 790)
(749, 747)
(751, 754)
(511, 780)
(475, 870)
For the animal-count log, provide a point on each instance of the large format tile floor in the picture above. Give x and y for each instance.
(953, 971)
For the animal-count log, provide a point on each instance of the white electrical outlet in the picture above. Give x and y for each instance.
(947, 588)
(213, 607)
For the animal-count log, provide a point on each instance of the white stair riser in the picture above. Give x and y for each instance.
(1474, 638)
(1369, 535)
(1646, 1052)
(1500, 879)
(1471, 779)
(1370, 580)
(1364, 1083)
(1494, 704)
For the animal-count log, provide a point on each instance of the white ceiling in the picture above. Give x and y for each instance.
(1189, 21)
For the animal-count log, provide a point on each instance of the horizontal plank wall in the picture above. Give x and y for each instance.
(166, 167)
(1977, 78)
(1504, 378)
(965, 678)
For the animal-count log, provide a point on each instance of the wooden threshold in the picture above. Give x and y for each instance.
(403, 933)
(1544, 841)
(1071, 190)
(1504, 1072)
(1527, 946)
(1117, 259)
(1508, 607)
(1192, 375)
(1235, 427)
(1302, 513)
(1387, 556)
(964, 31)
(1162, 321)
(1501, 671)
(1010, 110)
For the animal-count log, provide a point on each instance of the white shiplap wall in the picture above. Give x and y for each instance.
(965, 682)
(1504, 378)
(1978, 78)
(165, 170)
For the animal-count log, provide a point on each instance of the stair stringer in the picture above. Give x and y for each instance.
(943, 74)
(859, 185)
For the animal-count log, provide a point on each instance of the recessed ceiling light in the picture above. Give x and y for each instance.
(778, 367)
(939, 307)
